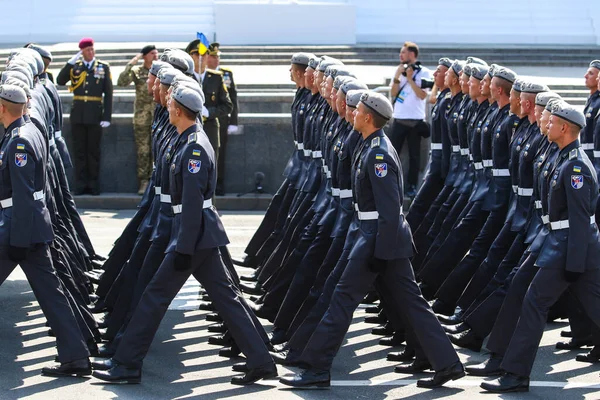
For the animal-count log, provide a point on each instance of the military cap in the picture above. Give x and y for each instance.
(445, 61)
(341, 70)
(190, 85)
(475, 60)
(157, 65)
(534, 88)
(181, 61)
(457, 66)
(13, 94)
(19, 83)
(353, 97)
(553, 103)
(569, 113)
(353, 85)
(188, 98)
(25, 70)
(467, 70)
(595, 64)
(324, 63)
(86, 42)
(542, 98)
(14, 75)
(45, 53)
(506, 74)
(36, 57)
(518, 84)
(26, 61)
(213, 49)
(378, 103)
(184, 78)
(313, 62)
(166, 75)
(192, 46)
(302, 58)
(147, 49)
(340, 80)
(492, 70)
(165, 55)
(478, 71)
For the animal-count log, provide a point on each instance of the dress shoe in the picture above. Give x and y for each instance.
(282, 358)
(453, 372)
(214, 317)
(507, 383)
(251, 289)
(249, 278)
(277, 336)
(255, 374)
(413, 367)
(439, 307)
(103, 365)
(223, 340)
(467, 340)
(393, 341)
(400, 356)
(119, 374)
(207, 306)
(372, 310)
(383, 330)
(451, 320)
(309, 378)
(592, 357)
(370, 298)
(573, 344)
(490, 367)
(376, 319)
(566, 334)
(105, 351)
(230, 352)
(263, 312)
(240, 367)
(218, 328)
(80, 367)
(456, 328)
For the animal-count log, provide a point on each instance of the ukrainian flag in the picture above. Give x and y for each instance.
(204, 43)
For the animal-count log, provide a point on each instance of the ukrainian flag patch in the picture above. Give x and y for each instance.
(20, 147)
(576, 169)
(196, 152)
(379, 156)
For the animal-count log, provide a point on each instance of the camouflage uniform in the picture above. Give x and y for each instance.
(143, 112)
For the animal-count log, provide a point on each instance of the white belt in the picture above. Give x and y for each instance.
(436, 146)
(178, 207)
(52, 142)
(464, 152)
(345, 193)
(366, 215)
(328, 175)
(165, 198)
(456, 148)
(587, 146)
(596, 154)
(487, 163)
(515, 188)
(525, 192)
(300, 146)
(335, 191)
(478, 165)
(157, 190)
(564, 224)
(500, 172)
(307, 153)
(57, 134)
(7, 203)
(325, 168)
(38, 195)
(470, 157)
(317, 154)
(545, 219)
(538, 204)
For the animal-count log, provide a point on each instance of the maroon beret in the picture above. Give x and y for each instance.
(86, 42)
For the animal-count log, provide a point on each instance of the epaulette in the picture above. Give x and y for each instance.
(375, 142)
(573, 154)
(15, 132)
(448, 95)
(212, 71)
(103, 62)
(192, 138)
(226, 69)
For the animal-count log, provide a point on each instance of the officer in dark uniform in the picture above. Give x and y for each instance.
(91, 84)
(196, 237)
(382, 249)
(26, 230)
(569, 256)
(591, 110)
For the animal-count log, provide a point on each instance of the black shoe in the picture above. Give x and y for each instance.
(217, 328)
(251, 289)
(370, 298)
(439, 307)
(383, 330)
(376, 319)
(568, 334)
(462, 327)
(372, 310)
(240, 367)
(255, 374)
(277, 336)
(214, 317)
(507, 383)
(413, 367)
(309, 378)
(74, 368)
(451, 320)
(393, 341)
(223, 340)
(400, 356)
(105, 351)
(263, 312)
(249, 278)
(467, 340)
(573, 344)
(103, 365)
(592, 357)
(247, 261)
(453, 372)
(490, 367)
(119, 374)
(206, 306)
(230, 352)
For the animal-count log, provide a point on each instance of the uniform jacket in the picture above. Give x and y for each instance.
(143, 108)
(232, 90)
(216, 97)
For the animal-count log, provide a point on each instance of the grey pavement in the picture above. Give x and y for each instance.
(182, 365)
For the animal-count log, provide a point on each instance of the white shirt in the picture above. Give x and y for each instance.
(89, 64)
(407, 104)
(200, 77)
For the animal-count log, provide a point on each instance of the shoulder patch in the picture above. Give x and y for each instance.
(192, 138)
(196, 153)
(448, 95)
(379, 156)
(375, 142)
(212, 71)
(103, 62)
(15, 132)
(573, 154)
(576, 168)
(577, 181)
(225, 69)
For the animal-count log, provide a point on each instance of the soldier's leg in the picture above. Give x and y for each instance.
(141, 133)
(431, 187)
(93, 156)
(223, 137)
(79, 140)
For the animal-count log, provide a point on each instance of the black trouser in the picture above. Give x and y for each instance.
(86, 155)
(402, 132)
(223, 138)
(431, 187)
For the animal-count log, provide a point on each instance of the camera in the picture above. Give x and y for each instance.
(427, 83)
(416, 67)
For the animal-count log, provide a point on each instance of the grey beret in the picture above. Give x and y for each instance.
(19, 83)
(378, 103)
(14, 75)
(302, 58)
(492, 70)
(166, 75)
(475, 60)
(37, 58)
(534, 88)
(478, 71)
(190, 85)
(340, 80)
(445, 61)
(179, 78)
(542, 98)
(25, 60)
(25, 70)
(41, 50)
(457, 66)
(314, 62)
(157, 65)
(188, 98)
(569, 113)
(165, 55)
(353, 97)
(595, 64)
(506, 74)
(326, 63)
(353, 85)
(340, 70)
(467, 70)
(13, 94)
(553, 103)
(182, 61)
(518, 84)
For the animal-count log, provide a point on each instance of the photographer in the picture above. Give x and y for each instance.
(409, 92)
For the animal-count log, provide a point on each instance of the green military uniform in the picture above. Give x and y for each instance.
(218, 104)
(92, 103)
(230, 119)
(143, 113)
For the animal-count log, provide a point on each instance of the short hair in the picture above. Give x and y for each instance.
(505, 85)
(378, 121)
(189, 114)
(412, 47)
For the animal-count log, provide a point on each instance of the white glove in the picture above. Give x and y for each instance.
(204, 111)
(74, 59)
(104, 124)
(233, 130)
